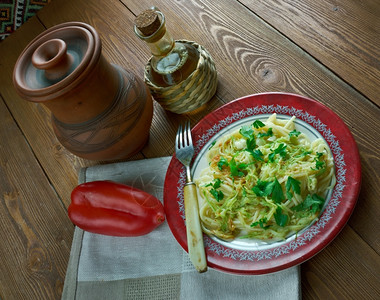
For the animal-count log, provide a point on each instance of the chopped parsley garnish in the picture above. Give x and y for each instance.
(271, 189)
(244, 192)
(320, 165)
(263, 188)
(222, 163)
(247, 132)
(277, 193)
(237, 169)
(294, 133)
(217, 194)
(294, 184)
(312, 202)
(258, 124)
(264, 134)
(261, 223)
(269, 179)
(304, 153)
(257, 154)
(281, 219)
(280, 150)
(212, 145)
(251, 143)
(217, 183)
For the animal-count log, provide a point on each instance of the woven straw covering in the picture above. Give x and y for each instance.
(191, 93)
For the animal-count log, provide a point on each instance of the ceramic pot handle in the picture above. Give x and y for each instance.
(52, 57)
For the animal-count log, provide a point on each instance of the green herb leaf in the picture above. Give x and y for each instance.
(217, 194)
(319, 164)
(212, 145)
(263, 188)
(281, 219)
(294, 184)
(281, 150)
(217, 183)
(294, 133)
(261, 223)
(305, 153)
(246, 131)
(257, 154)
(251, 143)
(233, 168)
(244, 193)
(312, 202)
(222, 163)
(237, 170)
(277, 193)
(315, 202)
(264, 134)
(258, 124)
(269, 188)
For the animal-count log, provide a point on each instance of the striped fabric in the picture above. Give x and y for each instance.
(13, 13)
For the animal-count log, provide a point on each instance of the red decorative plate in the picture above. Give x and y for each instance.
(313, 119)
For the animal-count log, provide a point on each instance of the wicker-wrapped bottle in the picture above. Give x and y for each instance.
(181, 74)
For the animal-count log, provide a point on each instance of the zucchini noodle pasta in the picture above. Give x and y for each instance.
(264, 181)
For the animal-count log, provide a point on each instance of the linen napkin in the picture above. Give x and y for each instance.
(155, 266)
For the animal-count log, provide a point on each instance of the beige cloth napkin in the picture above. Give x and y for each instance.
(155, 266)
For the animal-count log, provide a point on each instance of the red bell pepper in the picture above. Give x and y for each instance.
(115, 209)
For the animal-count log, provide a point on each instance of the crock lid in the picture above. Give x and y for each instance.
(56, 61)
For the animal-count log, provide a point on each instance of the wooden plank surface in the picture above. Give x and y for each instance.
(342, 34)
(35, 233)
(253, 53)
(347, 269)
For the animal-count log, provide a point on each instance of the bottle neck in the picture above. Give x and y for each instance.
(160, 42)
(163, 45)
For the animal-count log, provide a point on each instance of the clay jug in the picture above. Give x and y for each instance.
(99, 110)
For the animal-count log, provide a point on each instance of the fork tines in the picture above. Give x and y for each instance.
(183, 137)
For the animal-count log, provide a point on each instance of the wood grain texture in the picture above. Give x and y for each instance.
(351, 266)
(342, 34)
(35, 231)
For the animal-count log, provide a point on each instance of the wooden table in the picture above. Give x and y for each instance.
(325, 50)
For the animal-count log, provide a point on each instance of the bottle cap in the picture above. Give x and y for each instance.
(148, 22)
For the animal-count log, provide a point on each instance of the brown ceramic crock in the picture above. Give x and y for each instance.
(99, 110)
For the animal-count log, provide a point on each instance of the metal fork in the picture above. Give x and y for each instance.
(184, 151)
